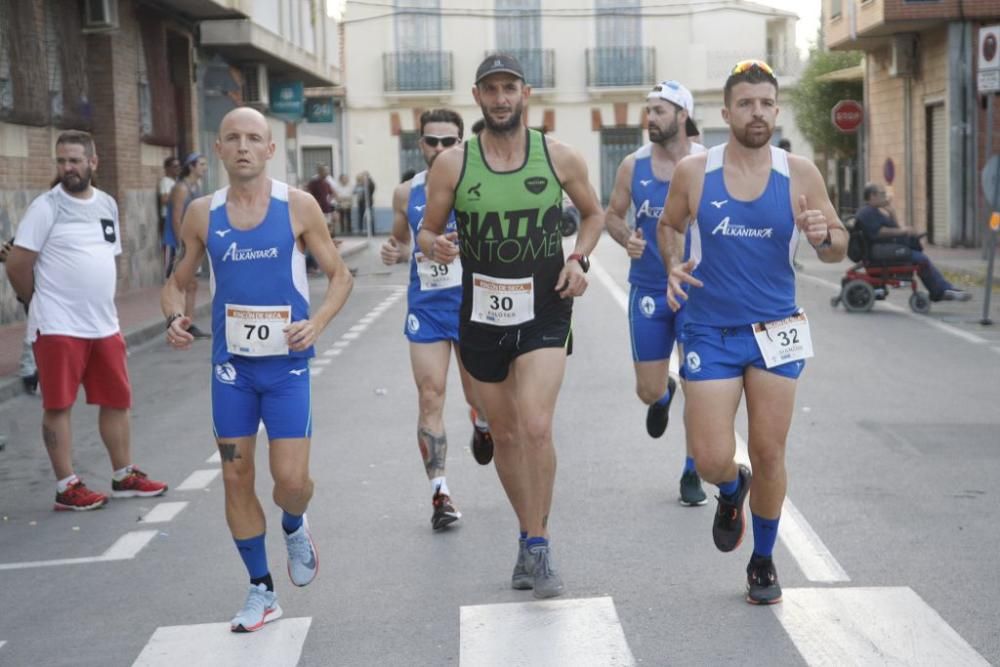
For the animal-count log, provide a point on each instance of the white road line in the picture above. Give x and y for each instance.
(349, 335)
(2, 643)
(214, 458)
(321, 362)
(582, 633)
(124, 548)
(199, 479)
(342, 343)
(278, 645)
(367, 319)
(334, 352)
(164, 512)
(870, 626)
(358, 327)
(814, 559)
(317, 372)
(924, 319)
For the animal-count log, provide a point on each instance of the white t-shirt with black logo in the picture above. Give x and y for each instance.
(75, 274)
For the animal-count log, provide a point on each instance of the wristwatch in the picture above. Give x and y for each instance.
(582, 260)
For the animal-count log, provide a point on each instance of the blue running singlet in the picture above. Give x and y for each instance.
(432, 286)
(743, 250)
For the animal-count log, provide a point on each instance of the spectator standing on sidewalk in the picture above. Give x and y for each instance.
(63, 266)
(171, 172)
(187, 189)
(345, 201)
(365, 190)
(28, 370)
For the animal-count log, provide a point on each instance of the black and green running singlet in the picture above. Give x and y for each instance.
(509, 238)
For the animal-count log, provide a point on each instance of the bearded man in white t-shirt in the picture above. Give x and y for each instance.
(63, 266)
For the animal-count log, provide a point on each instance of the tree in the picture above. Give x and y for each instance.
(813, 99)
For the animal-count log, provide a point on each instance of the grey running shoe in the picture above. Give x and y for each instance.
(955, 295)
(691, 492)
(548, 583)
(261, 607)
(762, 581)
(303, 562)
(658, 415)
(730, 519)
(445, 513)
(523, 578)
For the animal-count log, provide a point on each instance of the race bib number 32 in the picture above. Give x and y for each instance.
(257, 331)
(782, 341)
(502, 301)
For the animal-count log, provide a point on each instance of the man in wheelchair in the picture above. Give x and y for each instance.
(887, 241)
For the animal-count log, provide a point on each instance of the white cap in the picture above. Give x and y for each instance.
(675, 93)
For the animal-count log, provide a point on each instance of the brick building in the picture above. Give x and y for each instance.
(925, 123)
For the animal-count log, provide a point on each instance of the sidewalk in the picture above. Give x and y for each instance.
(139, 316)
(967, 264)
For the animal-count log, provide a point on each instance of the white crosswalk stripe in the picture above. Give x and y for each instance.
(279, 644)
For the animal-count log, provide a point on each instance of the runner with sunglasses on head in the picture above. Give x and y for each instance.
(744, 335)
(433, 301)
(642, 181)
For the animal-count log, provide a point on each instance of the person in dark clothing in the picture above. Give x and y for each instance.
(365, 192)
(885, 236)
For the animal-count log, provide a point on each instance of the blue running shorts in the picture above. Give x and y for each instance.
(430, 326)
(652, 324)
(720, 353)
(273, 389)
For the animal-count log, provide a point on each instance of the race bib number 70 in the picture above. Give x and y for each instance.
(257, 331)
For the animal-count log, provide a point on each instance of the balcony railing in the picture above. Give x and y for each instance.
(539, 65)
(417, 71)
(621, 67)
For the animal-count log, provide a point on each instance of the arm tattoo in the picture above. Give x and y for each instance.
(434, 450)
(49, 437)
(227, 452)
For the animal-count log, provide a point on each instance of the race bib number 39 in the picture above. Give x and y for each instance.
(257, 331)
(782, 341)
(435, 276)
(502, 301)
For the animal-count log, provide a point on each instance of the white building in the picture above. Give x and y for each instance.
(590, 66)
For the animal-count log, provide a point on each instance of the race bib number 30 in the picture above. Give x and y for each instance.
(782, 341)
(435, 276)
(502, 301)
(257, 331)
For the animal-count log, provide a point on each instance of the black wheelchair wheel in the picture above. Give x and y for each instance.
(920, 303)
(859, 296)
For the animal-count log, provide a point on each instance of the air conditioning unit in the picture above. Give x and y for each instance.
(255, 86)
(903, 56)
(100, 15)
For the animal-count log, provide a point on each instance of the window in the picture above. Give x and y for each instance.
(410, 156)
(619, 58)
(835, 8)
(519, 33)
(418, 63)
(616, 144)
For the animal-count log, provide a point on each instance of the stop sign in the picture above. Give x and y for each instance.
(847, 116)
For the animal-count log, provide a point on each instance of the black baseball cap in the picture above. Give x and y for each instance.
(499, 62)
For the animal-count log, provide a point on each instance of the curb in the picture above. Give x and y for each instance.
(137, 335)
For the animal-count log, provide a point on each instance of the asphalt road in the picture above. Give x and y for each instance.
(893, 460)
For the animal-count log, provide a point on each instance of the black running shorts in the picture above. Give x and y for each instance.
(487, 352)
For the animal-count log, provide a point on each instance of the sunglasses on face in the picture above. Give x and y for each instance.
(432, 140)
(747, 65)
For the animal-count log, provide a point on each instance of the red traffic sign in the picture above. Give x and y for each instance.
(847, 116)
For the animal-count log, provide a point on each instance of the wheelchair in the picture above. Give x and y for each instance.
(873, 274)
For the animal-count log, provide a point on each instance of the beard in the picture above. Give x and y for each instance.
(508, 126)
(662, 135)
(753, 138)
(77, 182)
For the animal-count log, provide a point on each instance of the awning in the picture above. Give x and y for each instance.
(854, 73)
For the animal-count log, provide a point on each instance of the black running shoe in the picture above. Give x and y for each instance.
(445, 513)
(30, 383)
(730, 519)
(658, 415)
(692, 494)
(762, 581)
(482, 443)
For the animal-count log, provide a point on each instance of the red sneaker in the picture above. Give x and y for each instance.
(79, 498)
(137, 484)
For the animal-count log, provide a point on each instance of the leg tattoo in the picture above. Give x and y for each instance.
(227, 452)
(434, 450)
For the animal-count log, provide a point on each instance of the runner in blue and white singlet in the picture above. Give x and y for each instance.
(433, 297)
(642, 183)
(744, 335)
(256, 233)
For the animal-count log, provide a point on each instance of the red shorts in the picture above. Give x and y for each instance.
(65, 362)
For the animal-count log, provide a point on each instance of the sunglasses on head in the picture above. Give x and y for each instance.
(432, 140)
(747, 65)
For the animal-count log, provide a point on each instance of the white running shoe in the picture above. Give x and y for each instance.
(303, 562)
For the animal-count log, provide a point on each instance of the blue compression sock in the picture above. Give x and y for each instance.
(729, 489)
(523, 536)
(254, 555)
(765, 532)
(689, 465)
(537, 541)
(664, 399)
(290, 522)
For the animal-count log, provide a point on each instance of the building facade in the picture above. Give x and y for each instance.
(149, 79)
(925, 123)
(588, 91)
